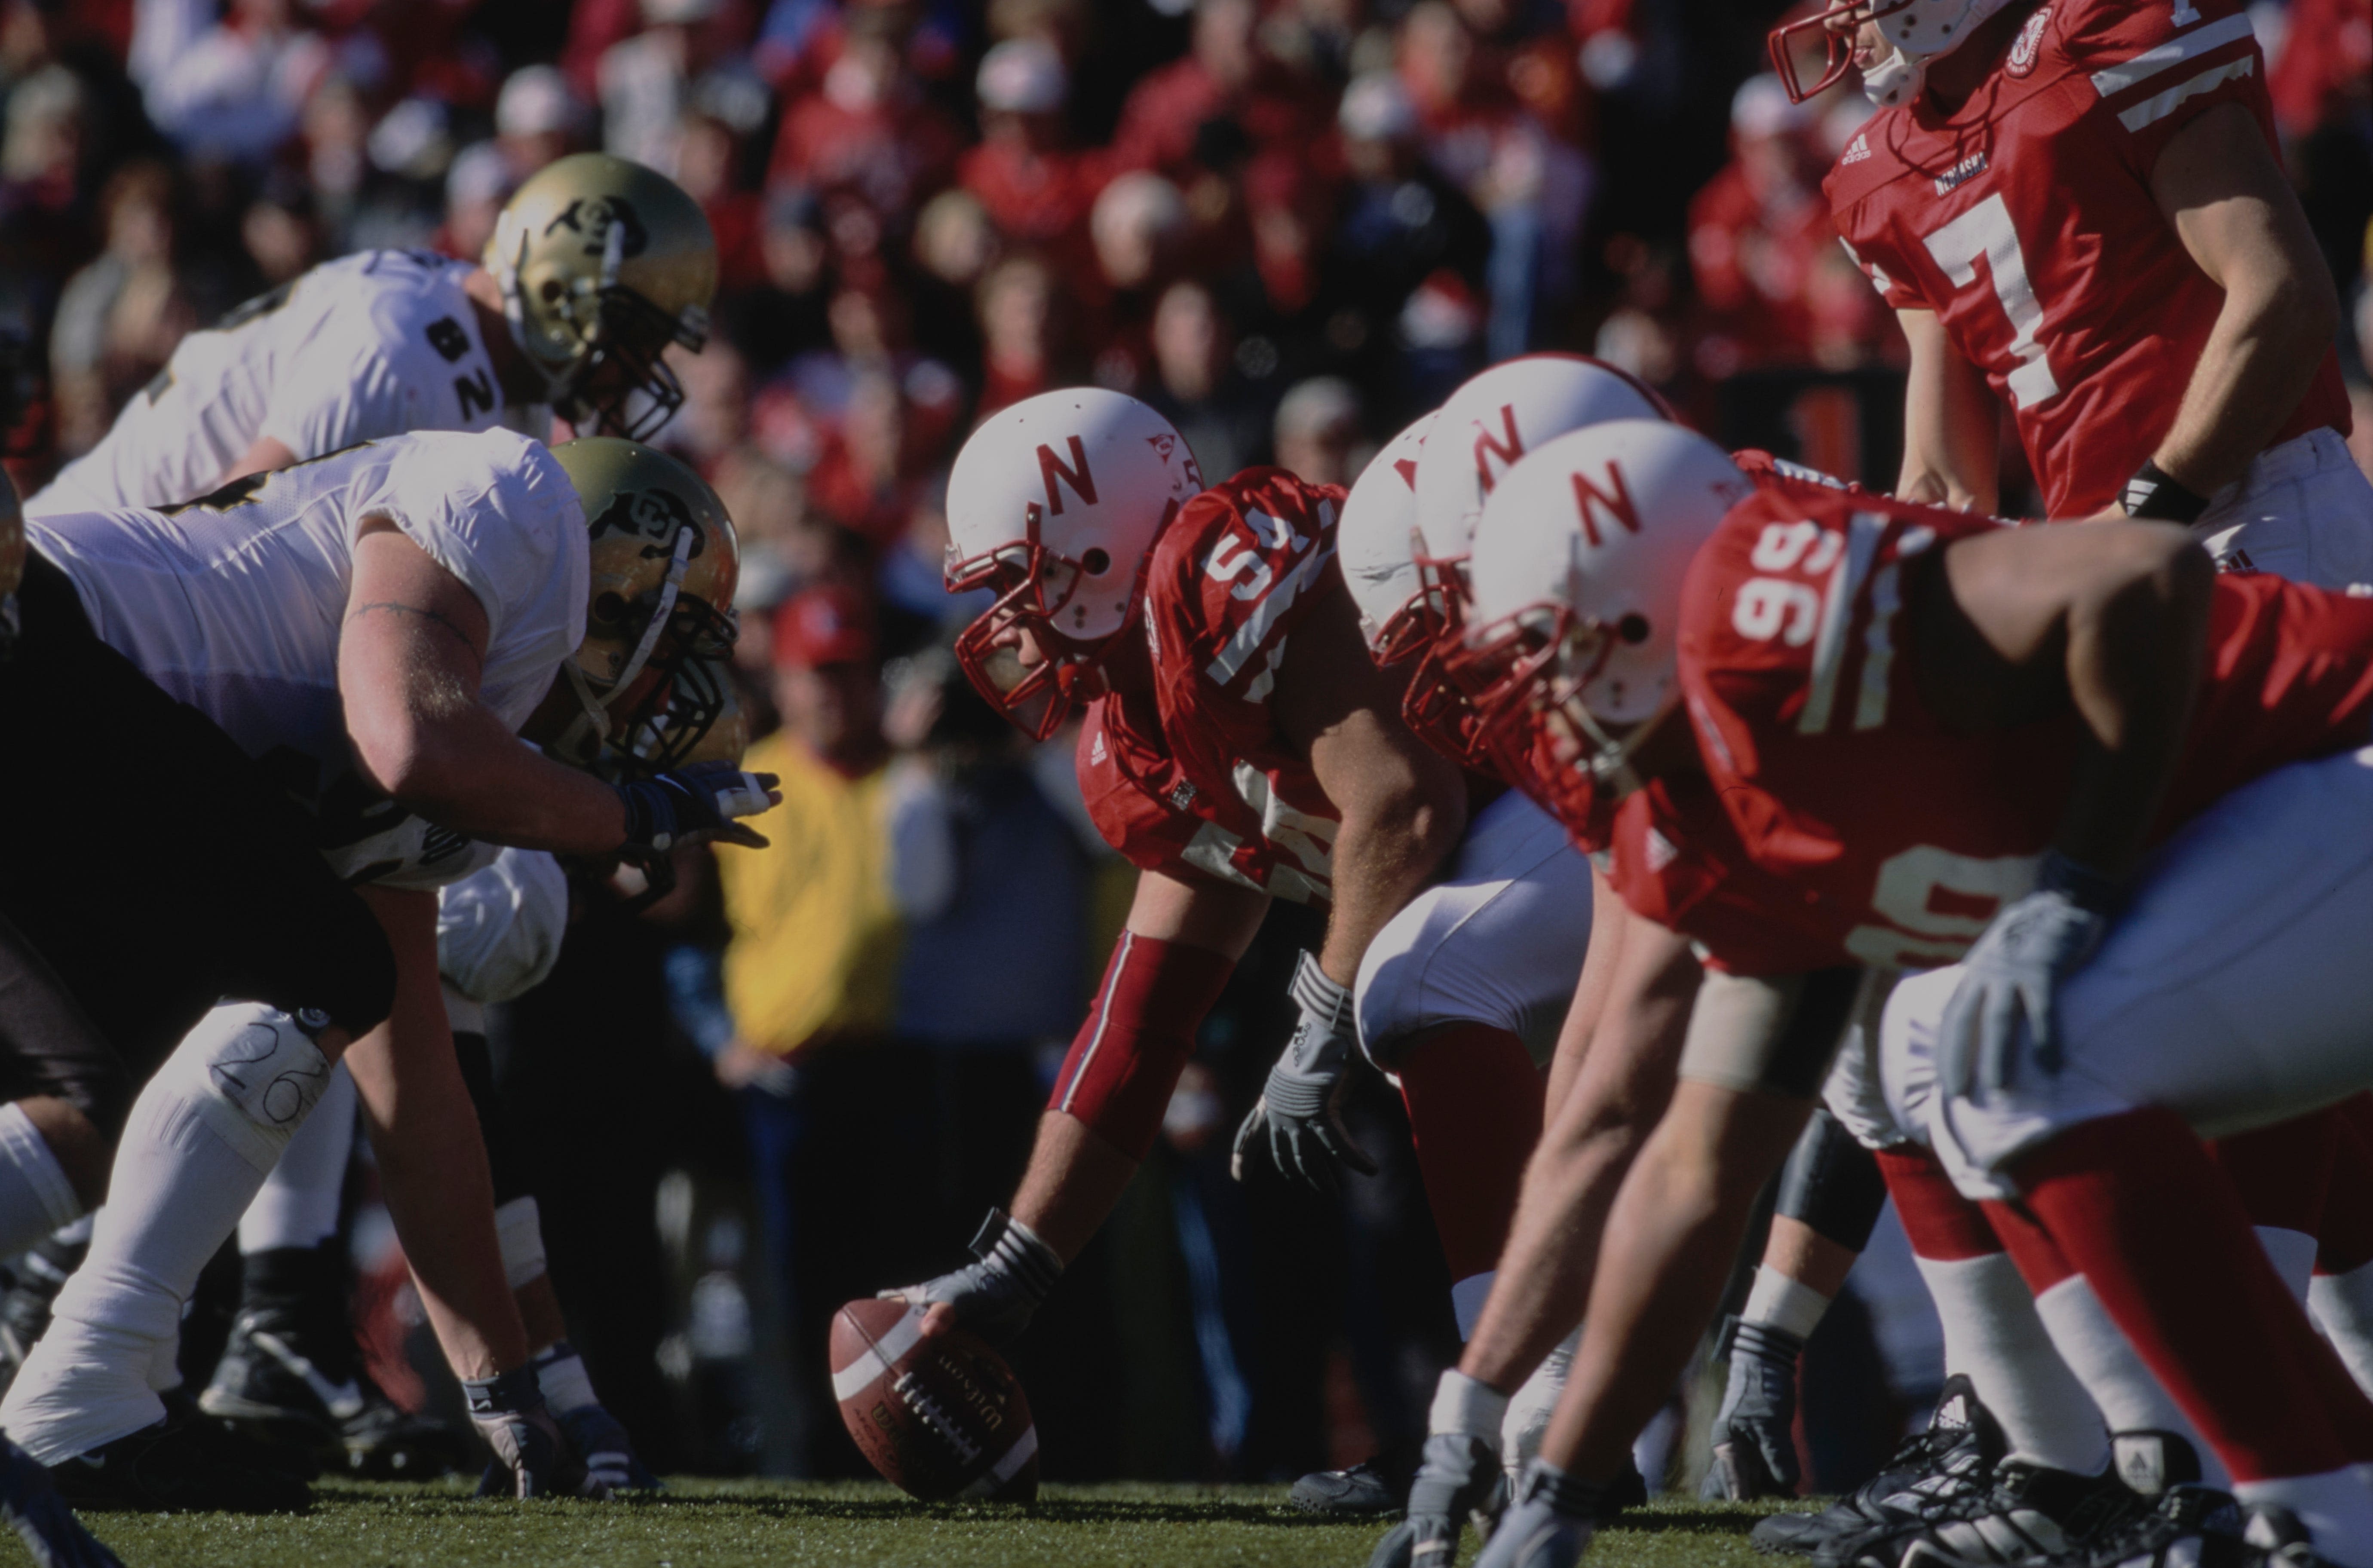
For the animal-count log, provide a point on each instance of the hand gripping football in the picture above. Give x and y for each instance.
(940, 1418)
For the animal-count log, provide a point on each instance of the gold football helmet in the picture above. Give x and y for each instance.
(602, 264)
(660, 611)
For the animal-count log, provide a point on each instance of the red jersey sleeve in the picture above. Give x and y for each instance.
(2159, 64)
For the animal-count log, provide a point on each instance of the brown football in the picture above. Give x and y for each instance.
(940, 1418)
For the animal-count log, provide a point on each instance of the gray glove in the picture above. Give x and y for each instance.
(1460, 1477)
(30, 1504)
(1550, 1524)
(1754, 1431)
(1301, 1107)
(995, 1297)
(532, 1458)
(2006, 1005)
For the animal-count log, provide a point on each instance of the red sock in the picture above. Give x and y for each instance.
(1473, 1100)
(1942, 1225)
(2281, 1173)
(2133, 1203)
(2040, 1263)
(2345, 1243)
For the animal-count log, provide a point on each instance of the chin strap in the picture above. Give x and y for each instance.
(1896, 80)
(1610, 764)
(596, 703)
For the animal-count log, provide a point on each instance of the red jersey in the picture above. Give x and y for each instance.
(1192, 778)
(2025, 220)
(1893, 839)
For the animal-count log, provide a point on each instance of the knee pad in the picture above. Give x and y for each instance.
(1831, 1183)
(254, 1073)
(518, 1234)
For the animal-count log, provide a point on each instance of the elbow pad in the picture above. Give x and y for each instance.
(1127, 1055)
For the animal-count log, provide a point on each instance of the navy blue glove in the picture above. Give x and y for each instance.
(701, 800)
(2006, 1005)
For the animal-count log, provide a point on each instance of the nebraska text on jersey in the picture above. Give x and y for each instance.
(1194, 774)
(2025, 220)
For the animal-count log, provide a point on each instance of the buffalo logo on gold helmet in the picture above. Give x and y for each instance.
(658, 613)
(602, 264)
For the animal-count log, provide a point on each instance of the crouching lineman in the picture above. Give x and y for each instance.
(1229, 773)
(1906, 717)
(367, 633)
(34, 1010)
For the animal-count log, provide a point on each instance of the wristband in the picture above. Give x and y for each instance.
(511, 1393)
(2153, 493)
(2089, 889)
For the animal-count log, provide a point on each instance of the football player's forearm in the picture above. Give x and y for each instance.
(1949, 423)
(2256, 367)
(1385, 851)
(432, 1160)
(1071, 1184)
(2133, 665)
(473, 776)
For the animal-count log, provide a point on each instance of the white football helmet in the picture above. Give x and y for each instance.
(1485, 430)
(1054, 503)
(1377, 542)
(1916, 32)
(1576, 575)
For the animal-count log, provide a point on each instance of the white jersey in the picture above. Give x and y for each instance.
(233, 604)
(372, 344)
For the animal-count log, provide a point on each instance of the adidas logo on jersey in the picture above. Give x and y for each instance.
(1858, 150)
(1961, 173)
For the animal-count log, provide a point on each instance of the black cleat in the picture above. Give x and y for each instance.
(266, 1384)
(1363, 1491)
(195, 1466)
(30, 1504)
(1952, 1459)
(2031, 1514)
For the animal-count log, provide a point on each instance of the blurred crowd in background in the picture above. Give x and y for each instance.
(1288, 225)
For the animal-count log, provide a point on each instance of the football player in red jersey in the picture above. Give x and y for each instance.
(1229, 774)
(1927, 732)
(2078, 207)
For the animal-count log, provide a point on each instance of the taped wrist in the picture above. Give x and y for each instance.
(512, 1393)
(1467, 1407)
(519, 1235)
(561, 1377)
(1766, 1342)
(1321, 1001)
(1570, 1495)
(1778, 1301)
(1137, 1039)
(1014, 1252)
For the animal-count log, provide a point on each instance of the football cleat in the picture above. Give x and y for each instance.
(180, 1466)
(30, 1504)
(1954, 1457)
(269, 1387)
(2193, 1526)
(2032, 1514)
(1363, 1491)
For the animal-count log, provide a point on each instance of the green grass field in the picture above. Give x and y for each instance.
(790, 1525)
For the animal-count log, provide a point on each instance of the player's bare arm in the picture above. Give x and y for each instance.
(409, 659)
(267, 454)
(1950, 421)
(1617, 1054)
(2225, 193)
(2111, 619)
(431, 1159)
(1403, 804)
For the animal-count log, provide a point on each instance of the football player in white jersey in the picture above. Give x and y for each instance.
(369, 633)
(596, 266)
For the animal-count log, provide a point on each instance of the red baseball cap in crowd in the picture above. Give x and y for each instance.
(829, 624)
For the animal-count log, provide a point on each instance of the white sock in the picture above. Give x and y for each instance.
(2293, 1256)
(1467, 1299)
(1780, 1302)
(2120, 1383)
(563, 1381)
(2336, 1507)
(191, 1160)
(299, 1205)
(2342, 1307)
(35, 1196)
(1532, 1405)
(1994, 1338)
